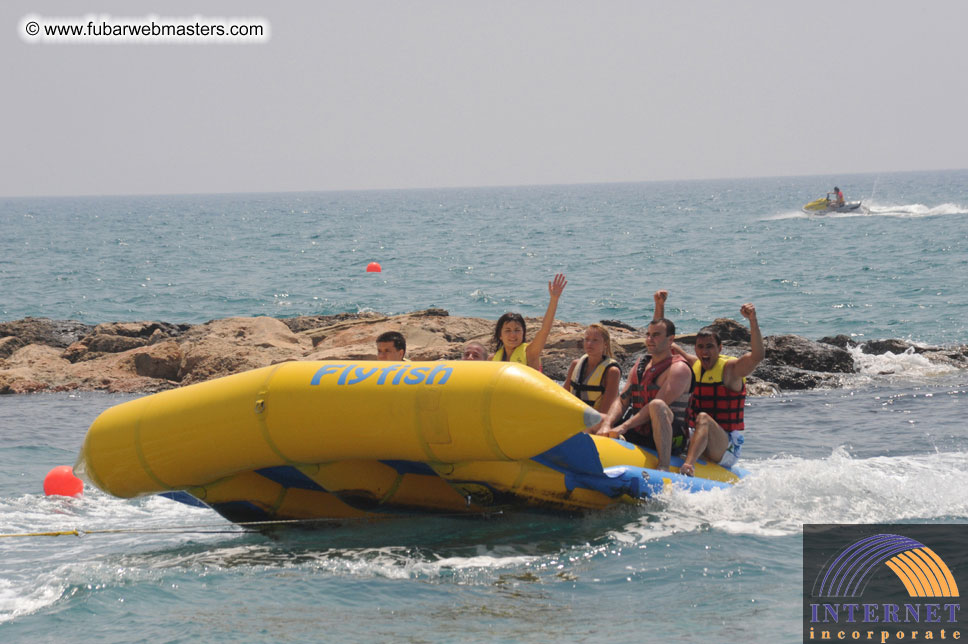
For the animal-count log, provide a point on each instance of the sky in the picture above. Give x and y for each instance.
(372, 95)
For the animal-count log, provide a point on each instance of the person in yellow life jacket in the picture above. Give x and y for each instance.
(595, 376)
(719, 396)
(656, 396)
(510, 331)
(592, 380)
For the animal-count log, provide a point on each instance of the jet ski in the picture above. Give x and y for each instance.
(828, 204)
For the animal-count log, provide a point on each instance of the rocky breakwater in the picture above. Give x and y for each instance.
(38, 354)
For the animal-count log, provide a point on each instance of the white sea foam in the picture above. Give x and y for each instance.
(916, 210)
(909, 364)
(782, 494)
(874, 209)
(16, 600)
(793, 214)
(73, 560)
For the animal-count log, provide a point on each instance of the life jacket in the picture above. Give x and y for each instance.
(590, 389)
(710, 395)
(518, 355)
(643, 389)
(642, 383)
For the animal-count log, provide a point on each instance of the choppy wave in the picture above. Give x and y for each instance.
(916, 210)
(875, 209)
(775, 500)
(909, 365)
(72, 561)
(783, 493)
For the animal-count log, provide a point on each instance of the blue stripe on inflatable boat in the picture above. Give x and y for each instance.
(411, 467)
(578, 454)
(288, 476)
(184, 497)
(241, 511)
(578, 459)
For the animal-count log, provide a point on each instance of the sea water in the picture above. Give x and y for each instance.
(891, 446)
(896, 272)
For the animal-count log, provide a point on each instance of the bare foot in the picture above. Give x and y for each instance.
(687, 469)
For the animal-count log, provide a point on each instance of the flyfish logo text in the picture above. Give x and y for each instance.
(396, 373)
(884, 587)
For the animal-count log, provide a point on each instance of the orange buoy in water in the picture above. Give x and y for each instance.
(373, 267)
(61, 481)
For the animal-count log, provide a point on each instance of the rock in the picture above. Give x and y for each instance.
(13, 385)
(141, 329)
(880, 347)
(794, 351)
(118, 337)
(310, 322)
(76, 352)
(34, 367)
(223, 347)
(791, 378)
(627, 346)
(107, 343)
(52, 333)
(161, 361)
(957, 358)
(430, 336)
(10, 344)
(152, 356)
(619, 325)
(758, 387)
(731, 332)
(842, 341)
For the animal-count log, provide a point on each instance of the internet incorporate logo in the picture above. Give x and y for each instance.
(922, 572)
(909, 592)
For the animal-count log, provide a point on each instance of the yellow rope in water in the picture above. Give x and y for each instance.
(205, 529)
(59, 533)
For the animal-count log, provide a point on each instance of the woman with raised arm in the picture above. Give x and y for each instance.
(510, 331)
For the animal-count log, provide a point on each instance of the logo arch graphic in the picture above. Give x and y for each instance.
(922, 572)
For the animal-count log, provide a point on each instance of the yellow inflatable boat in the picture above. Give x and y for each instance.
(342, 439)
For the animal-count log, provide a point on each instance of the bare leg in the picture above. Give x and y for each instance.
(697, 445)
(709, 441)
(661, 417)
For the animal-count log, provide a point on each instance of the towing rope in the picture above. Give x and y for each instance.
(214, 528)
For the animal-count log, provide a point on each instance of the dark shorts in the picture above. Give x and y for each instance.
(642, 435)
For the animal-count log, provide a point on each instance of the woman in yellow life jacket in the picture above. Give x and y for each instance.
(510, 331)
(595, 376)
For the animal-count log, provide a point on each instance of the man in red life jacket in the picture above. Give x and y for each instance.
(657, 395)
(719, 396)
(838, 196)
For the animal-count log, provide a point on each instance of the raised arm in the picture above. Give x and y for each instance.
(746, 363)
(537, 345)
(659, 297)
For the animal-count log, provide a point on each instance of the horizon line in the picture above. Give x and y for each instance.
(469, 187)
